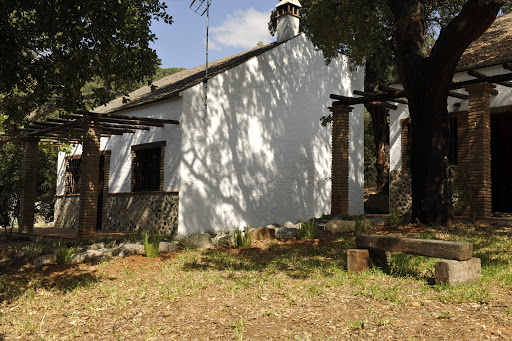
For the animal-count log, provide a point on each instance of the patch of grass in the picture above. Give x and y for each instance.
(381, 292)
(239, 328)
(383, 321)
(356, 324)
(307, 230)
(462, 293)
(64, 254)
(242, 239)
(151, 249)
(360, 224)
(315, 290)
(447, 315)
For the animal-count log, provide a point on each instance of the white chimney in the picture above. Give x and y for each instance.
(288, 19)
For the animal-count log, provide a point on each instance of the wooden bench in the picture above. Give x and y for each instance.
(457, 266)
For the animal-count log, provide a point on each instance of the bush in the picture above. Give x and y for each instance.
(394, 217)
(64, 254)
(242, 239)
(360, 224)
(307, 230)
(151, 249)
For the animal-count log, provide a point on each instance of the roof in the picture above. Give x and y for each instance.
(493, 47)
(293, 2)
(172, 85)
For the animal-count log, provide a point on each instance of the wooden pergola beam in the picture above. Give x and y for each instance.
(70, 124)
(364, 93)
(132, 122)
(480, 75)
(372, 98)
(489, 79)
(458, 95)
(138, 118)
(123, 126)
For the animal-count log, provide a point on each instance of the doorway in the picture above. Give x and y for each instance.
(501, 164)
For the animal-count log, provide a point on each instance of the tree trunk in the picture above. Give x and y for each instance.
(427, 81)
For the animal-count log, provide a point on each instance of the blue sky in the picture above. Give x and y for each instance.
(235, 26)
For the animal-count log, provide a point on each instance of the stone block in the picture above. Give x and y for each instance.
(202, 241)
(46, 259)
(262, 233)
(457, 272)
(358, 260)
(165, 247)
(285, 232)
(340, 226)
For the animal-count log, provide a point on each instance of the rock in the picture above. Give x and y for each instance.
(46, 259)
(262, 233)
(165, 247)
(340, 226)
(456, 272)
(223, 240)
(92, 256)
(97, 246)
(291, 225)
(202, 241)
(284, 232)
(125, 250)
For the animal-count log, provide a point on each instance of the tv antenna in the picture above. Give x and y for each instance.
(201, 7)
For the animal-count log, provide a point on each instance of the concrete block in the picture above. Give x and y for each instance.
(358, 260)
(457, 272)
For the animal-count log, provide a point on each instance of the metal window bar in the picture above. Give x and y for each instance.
(73, 176)
(146, 169)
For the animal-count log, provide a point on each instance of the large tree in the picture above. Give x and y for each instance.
(362, 29)
(50, 49)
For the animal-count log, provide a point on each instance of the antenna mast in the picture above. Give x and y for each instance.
(201, 7)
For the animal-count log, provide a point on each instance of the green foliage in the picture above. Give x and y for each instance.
(242, 239)
(394, 217)
(307, 230)
(64, 254)
(360, 224)
(50, 50)
(462, 195)
(151, 249)
(370, 152)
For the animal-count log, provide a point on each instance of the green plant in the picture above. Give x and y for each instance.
(446, 315)
(394, 217)
(356, 324)
(307, 230)
(360, 224)
(151, 249)
(64, 254)
(242, 239)
(239, 327)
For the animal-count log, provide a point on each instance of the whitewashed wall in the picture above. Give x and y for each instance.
(260, 155)
(503, 98)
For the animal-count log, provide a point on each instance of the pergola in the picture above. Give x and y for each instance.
(86, 128)
(473, 131)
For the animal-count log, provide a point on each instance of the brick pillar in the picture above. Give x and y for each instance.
(477, 165)
(29, 176)
(89, 181)
(340, 162)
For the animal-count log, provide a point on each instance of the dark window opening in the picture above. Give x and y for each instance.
(73, 176)
(146, 169)
(453, 151)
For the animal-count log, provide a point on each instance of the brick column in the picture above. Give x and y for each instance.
(340, 162)
(29, 176)
(89, 181)
(477, 165)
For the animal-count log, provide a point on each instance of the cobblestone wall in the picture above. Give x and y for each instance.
(143, 212)
(67, 210)
(400, 191)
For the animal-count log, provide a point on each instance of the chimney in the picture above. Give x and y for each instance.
(288, 19)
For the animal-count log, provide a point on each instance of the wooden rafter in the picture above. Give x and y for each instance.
(480, 75)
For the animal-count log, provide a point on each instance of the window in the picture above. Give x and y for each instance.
(73, 169)
(147, 167)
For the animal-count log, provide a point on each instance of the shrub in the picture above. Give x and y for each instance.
(151, 249)
(360, 224)
(64, 254)
(307, 230)
(242, 239)
(394, 217)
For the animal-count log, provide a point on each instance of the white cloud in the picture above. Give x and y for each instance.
(242, 29)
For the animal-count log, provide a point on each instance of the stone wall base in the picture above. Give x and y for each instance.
(400, 191)
(157, 212)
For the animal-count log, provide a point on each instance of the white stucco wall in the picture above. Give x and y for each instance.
(503, 98)
(260, 155)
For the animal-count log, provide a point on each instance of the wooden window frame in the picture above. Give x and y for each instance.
(72, 180)
(145, 146)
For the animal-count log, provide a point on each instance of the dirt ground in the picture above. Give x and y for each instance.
(291, 290)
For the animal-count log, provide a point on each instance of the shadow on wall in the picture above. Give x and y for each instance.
(260, 155)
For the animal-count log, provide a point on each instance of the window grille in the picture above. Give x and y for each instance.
(146, 168)
(73, 176)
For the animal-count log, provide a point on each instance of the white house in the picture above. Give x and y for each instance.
(481, 122)
(258, 155)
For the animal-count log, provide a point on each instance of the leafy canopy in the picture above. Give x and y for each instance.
(50, 49)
